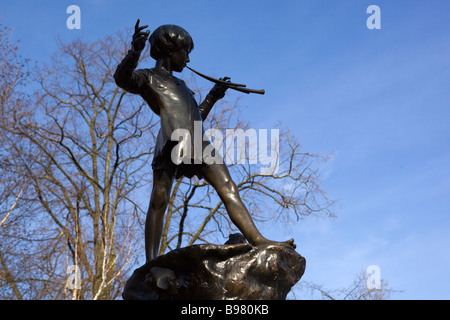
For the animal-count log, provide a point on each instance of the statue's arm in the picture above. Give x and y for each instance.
(125, 76)
(216, 93)
(207, 104)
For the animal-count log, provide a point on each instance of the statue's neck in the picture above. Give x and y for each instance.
(164, 65)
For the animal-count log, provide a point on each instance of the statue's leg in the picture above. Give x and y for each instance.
(162, 185)
(219, 177)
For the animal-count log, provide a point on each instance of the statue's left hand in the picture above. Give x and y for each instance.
(218, 91)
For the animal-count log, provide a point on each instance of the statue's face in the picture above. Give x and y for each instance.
(179, 59)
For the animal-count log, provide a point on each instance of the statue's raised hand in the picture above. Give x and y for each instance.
(139, 37)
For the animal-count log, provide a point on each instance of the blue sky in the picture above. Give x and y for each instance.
(378, 99)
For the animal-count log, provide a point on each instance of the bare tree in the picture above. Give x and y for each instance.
(78, 147)
(13, 75)
(76, 173)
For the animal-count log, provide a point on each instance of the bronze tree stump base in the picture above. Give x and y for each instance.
(218, 272)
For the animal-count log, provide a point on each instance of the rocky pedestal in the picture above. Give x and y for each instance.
(236, 271)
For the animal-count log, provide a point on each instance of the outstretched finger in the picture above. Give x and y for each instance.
(141, 28)
(137, 25)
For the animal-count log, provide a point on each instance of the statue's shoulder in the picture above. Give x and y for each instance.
(153, 76)
(147, 72)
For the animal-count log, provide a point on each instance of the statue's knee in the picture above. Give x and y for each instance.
(230, 191)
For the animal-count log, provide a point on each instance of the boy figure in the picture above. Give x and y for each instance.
(174, 102)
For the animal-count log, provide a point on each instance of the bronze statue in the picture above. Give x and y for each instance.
(174, 102)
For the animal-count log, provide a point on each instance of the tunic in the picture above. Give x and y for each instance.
(174, 102)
